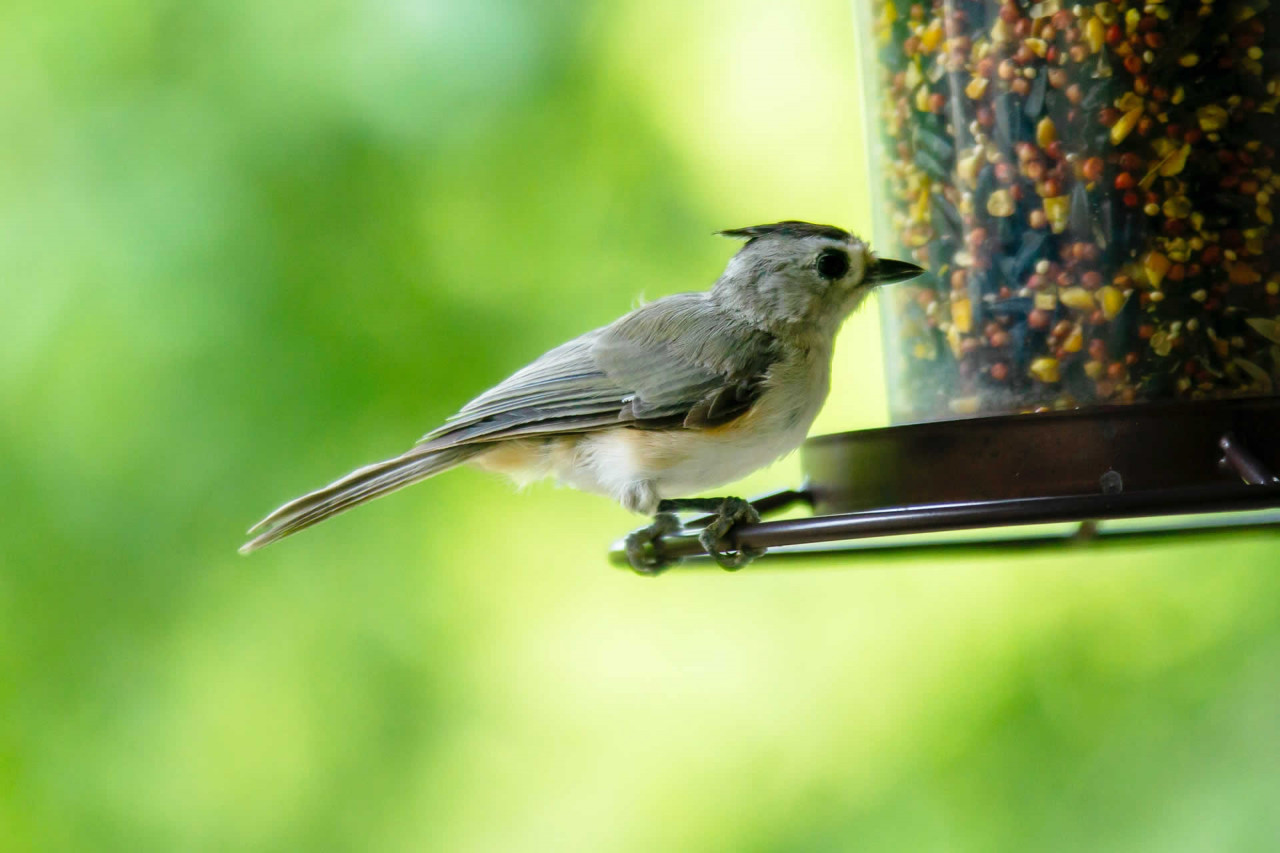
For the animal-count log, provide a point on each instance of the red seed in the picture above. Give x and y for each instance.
(1108, 116)
(1097, 349)
(1125, 181)
(1133, 63)
(999, 371)
(1114, 35)
(1091, 280)
(1092, 169)
(1038, 318)
(1130, 162)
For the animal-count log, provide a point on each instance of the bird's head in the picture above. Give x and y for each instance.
(793, 276)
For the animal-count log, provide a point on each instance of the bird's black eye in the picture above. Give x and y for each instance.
(832, 264)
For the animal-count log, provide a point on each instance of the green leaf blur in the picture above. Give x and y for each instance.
(246, 247)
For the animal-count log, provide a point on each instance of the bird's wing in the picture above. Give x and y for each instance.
(677, 362)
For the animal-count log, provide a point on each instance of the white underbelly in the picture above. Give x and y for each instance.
(639, 467)
(683, 462)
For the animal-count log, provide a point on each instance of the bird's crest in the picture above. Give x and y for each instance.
(787, 228)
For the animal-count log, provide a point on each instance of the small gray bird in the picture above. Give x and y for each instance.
(681, 395)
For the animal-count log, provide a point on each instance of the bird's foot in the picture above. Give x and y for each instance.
(644, 546)
(729, 513)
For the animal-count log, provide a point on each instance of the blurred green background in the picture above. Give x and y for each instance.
(245, 247)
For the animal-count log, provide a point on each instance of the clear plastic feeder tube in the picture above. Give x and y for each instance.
(1091, 188)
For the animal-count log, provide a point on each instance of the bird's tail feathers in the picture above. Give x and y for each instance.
(360, 486)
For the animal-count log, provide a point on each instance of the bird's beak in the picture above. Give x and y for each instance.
(888, 271)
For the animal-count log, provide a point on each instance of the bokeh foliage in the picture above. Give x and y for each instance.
(245, 247)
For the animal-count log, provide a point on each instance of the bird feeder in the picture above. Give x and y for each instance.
(1091, 189)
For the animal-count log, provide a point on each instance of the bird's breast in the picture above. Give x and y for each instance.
(682, 462)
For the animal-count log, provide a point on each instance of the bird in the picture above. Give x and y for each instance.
(677, 397)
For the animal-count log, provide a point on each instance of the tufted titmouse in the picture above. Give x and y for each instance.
(683, 394)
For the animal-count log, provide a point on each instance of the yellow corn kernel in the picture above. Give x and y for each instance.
(1045, 369)
(1125, 125)
(1078, 298)
(962, 315)
(1112, 299)
(1155, 265)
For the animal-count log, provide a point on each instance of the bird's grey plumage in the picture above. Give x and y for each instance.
(689, 362)
(646, 370)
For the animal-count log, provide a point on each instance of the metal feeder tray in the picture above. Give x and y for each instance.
(1180, 468)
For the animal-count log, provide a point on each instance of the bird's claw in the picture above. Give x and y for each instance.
(644, 546)
(732, 512)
